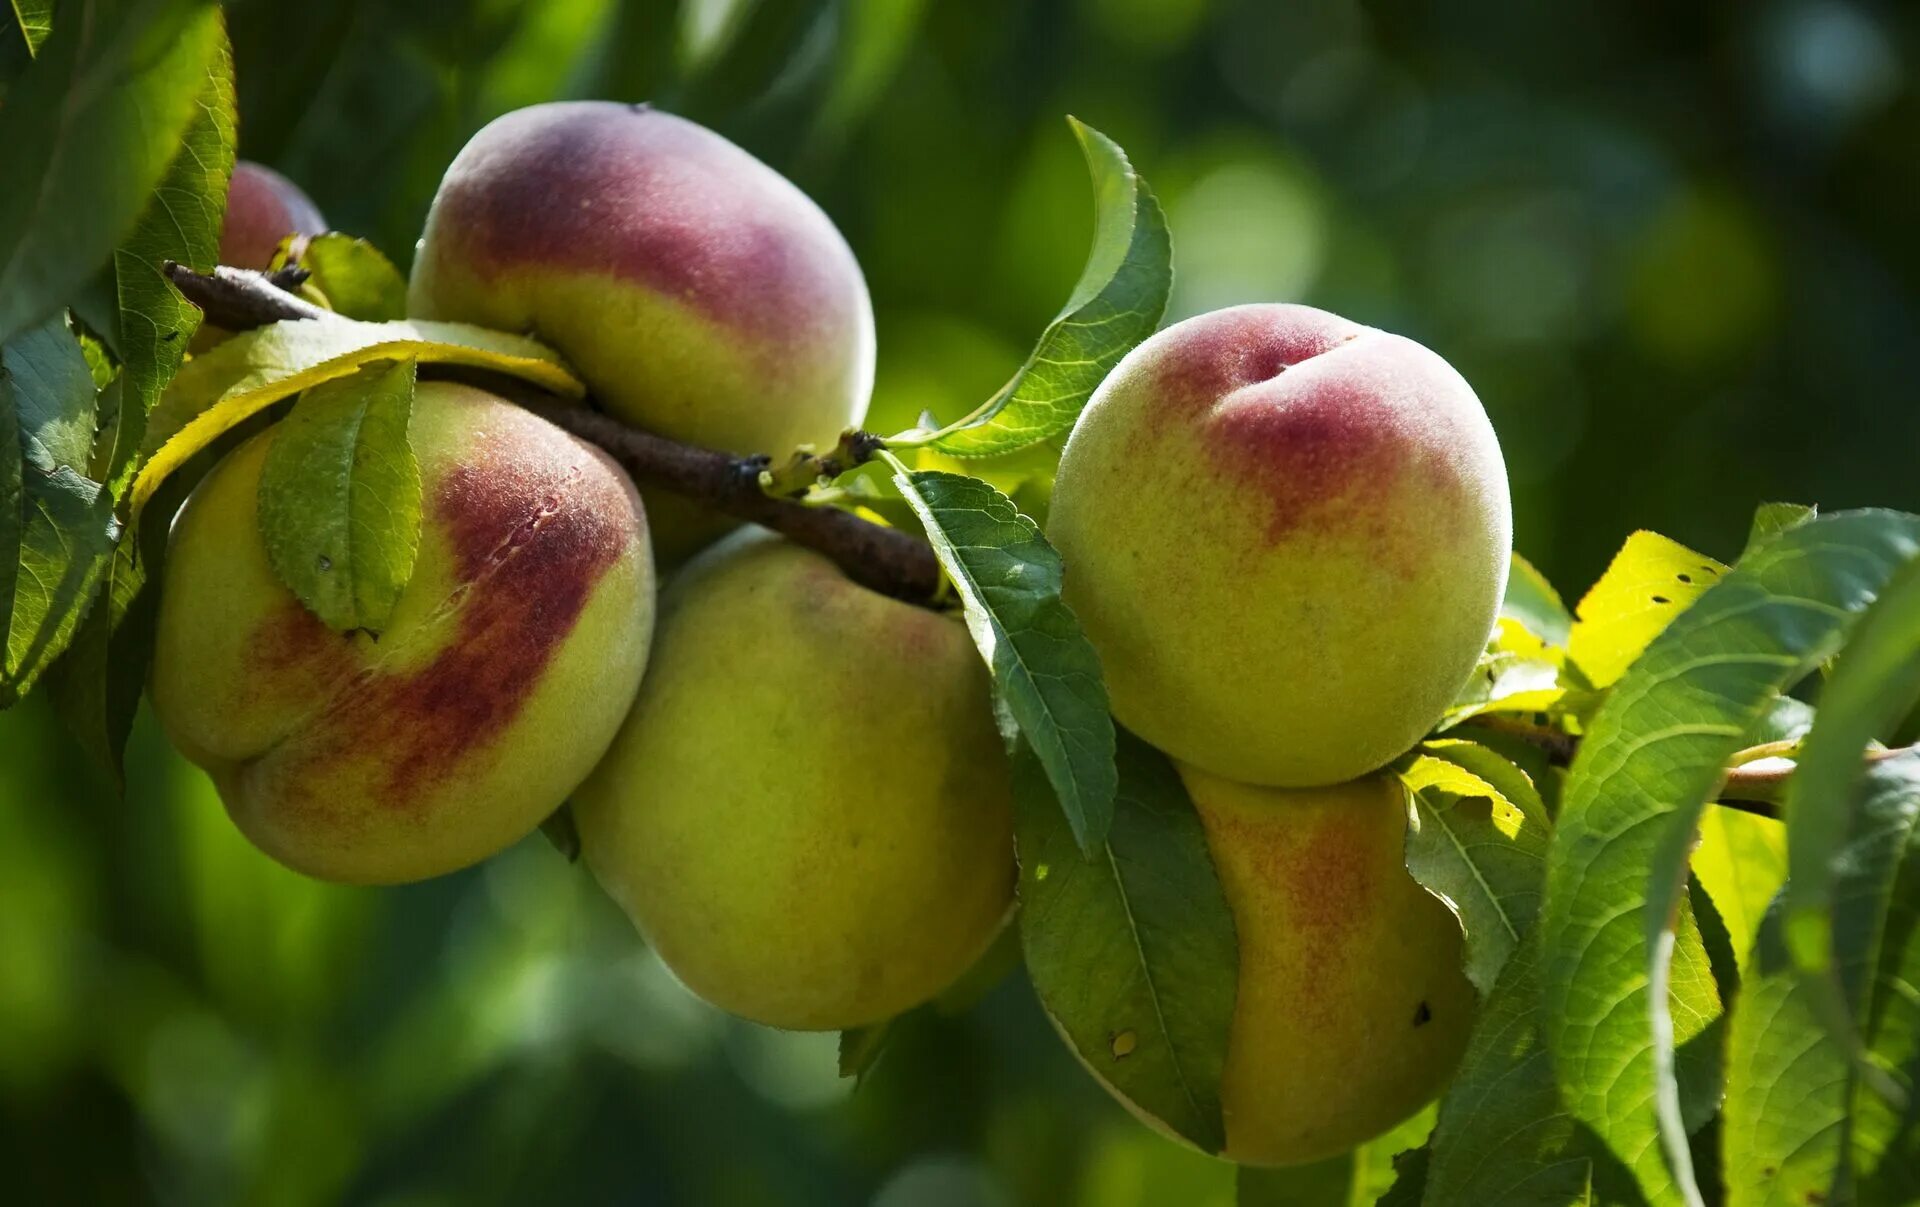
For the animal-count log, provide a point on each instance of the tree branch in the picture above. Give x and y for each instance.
(1748, 786)
(883, 559)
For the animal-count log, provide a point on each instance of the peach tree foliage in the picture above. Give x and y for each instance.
(1667, 1016)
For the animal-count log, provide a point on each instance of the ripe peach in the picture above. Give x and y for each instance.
(699, 293)
(1287, 535)
(507, 666)
(263, 207)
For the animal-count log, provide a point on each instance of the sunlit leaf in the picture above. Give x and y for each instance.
(354, 277)
(1652, 758)
(1117, 302)
(258, 368)
(1518, 673)
(1532, 601)
(1044, 670)
(1790, 1082)
(1132, 952)
(1478, 841)
(1771, 519)
(1650, 581)
(1741, 863)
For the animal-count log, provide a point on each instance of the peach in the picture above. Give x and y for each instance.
(1287, 535)
(1352, 1010)
(263, 207)
(503, 674)
(699, 293)
(808, 814)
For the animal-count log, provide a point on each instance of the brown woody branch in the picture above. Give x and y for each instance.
(884, 559)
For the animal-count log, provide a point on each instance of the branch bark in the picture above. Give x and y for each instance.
(886, 560)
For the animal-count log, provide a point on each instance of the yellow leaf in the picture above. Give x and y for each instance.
(1741, 862)
(1651, 581)
(258, 368)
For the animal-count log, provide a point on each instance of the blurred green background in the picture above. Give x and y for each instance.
(1670, 245)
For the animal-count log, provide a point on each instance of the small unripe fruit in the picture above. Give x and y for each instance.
(1287, 535)
(699, 293)
(503, 673)
(808, 812)
(263, 207)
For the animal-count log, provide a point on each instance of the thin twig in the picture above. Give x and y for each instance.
(887, 560)
(1747, 787)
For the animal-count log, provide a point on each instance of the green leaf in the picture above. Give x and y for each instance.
(1533, 602)
(1653, 756)
(1503, 1138)
(340, 497)
(1873, 683)
(861, 1049)
(1649, 582)
(1044, 669)
(1771, 519)
(1133, 953)
(56, 524)
(181, 222)
(354, 277)
(254, 370)
(96, 684)
(1518, 673)
(1791, 1083)
(1117, 302)
(1741, 863)
(1478, 841)
(1886, 1136)
(88, 131)
(34, 19)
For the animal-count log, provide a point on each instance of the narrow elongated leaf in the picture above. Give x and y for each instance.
(1873, 683)
(861, 1049)
(1790, 1082)
(256, 369)
(356, 279)
(1133, 952)
(1479, 843)
(1044, 669)
(1503, 1138)
(1653, 756)
(340, 497)
(88, 131)
(1117, 302)
(1533, 602)
(181, 222)
(1649, 582)
(1886, 1134)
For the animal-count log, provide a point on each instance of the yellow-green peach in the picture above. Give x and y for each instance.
(506, 668)
(808, 812)
(700, 294)
(1287, 535)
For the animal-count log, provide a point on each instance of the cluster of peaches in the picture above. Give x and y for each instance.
(1285, 534)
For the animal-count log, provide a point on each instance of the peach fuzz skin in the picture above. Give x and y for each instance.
(699, 293)
(808, 814)
(1287, 535)
(263, 207)
(504, 672)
